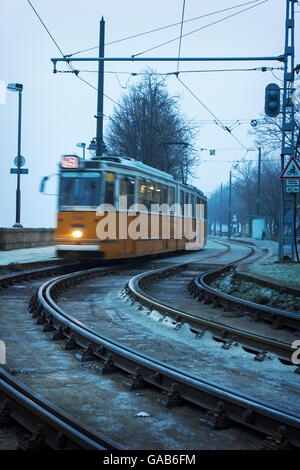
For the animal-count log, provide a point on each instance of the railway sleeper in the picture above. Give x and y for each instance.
(38, 311)
(86, 354)
(70, 343)
(261, 355)
(35, 442)
(42, 318)
(5, 413)
(199, 334)
(136, 380)
(107, 365)
(217, 418)
(277, 323)
(48, 325)
(230, 342)
(59, 334)
(278, 441)
(207, 299)
(32, 304)
(170, 397)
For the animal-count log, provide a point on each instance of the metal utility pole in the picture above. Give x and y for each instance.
(99, 117)
(258, 183)
(221, 209)
(286, 223)
(18, 193)
(18, 87)
(229, 207)
(54, 60)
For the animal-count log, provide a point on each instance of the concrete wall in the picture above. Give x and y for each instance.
(14, 238)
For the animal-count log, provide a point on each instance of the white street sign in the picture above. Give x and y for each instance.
(292, 186)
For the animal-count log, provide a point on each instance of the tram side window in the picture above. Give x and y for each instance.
(198, 206)
(171, 195)
(157, 194)
(150, 194)
(182, 201)
(164, 195)
(127, 189)
(109, 188)
(192, 202)
(142, 191)
(130, 191)
(201, 212)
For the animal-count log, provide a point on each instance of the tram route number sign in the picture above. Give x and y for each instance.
(292, 186)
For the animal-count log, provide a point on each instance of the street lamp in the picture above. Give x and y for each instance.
(82, 145)
(92, 148)
(18, 87)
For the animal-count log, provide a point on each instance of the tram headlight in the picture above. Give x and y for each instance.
(77, 234)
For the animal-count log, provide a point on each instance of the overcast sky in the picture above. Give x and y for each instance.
(58, 109)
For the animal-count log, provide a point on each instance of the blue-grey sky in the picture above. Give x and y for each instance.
(58, 110)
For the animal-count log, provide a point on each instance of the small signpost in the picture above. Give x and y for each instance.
(22, 171)
(19, 170)
(22, 161)
(292, 186)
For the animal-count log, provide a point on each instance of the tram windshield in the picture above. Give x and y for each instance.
(79, 190)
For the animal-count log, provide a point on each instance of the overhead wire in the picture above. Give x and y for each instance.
(180, 37)
(76, 72)
(72, 70)
(198, 29)
(226, 128)
(163, 27)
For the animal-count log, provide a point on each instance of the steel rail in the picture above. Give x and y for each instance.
(50, 426)
(255, 343)
(274, 315)
(221, 332)
(238, 407)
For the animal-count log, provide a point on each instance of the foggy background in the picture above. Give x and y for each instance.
(59, 109)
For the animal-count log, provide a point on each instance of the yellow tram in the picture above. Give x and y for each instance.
(117, 207)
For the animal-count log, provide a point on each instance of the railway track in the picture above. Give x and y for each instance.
(143, 286)
(47, 426)
(44, 426)
(224, 406)
(201, 289)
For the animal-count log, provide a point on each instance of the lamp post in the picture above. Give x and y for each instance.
(82, 145)
(18, 87)
(92, 148)
(229, 206)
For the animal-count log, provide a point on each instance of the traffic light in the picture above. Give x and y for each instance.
(272, 100)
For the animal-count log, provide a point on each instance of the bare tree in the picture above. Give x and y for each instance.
(149, 126)
(244, 195)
